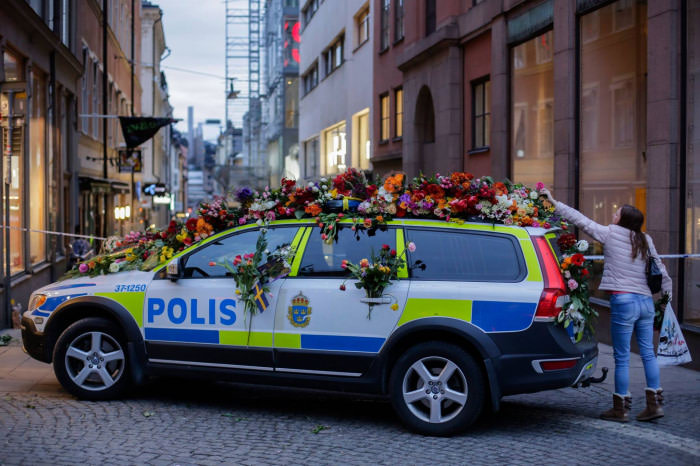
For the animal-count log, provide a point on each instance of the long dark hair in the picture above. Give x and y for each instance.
(633, 219)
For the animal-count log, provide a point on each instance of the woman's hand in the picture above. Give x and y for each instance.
(546, 192)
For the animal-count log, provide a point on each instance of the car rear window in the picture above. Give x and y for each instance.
(465, 256)
(322, 259)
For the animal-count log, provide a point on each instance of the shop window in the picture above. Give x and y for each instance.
(532, 112)
(612, 102)
(37, 168)
(384, 17)
(691, 171)
(481, 113)
(362, 27)
(13, 66)
(384, 117)
(334, 146)
(311, 157)
(291, 107)
(361, 147)
(398, 20)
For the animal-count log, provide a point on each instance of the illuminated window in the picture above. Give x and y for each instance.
(362, 22)
(384, 117)
(398, 112)
(334, 148)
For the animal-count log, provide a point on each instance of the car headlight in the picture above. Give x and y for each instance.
(37, 301)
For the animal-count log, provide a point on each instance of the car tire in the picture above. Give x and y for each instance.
(90, 359)
(437, 388)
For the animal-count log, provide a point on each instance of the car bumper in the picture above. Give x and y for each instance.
(33, 341)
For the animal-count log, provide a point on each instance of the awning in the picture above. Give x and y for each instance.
(102, 185)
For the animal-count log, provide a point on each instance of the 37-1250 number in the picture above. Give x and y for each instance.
(129, 288)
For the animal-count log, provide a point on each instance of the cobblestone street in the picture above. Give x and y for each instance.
(184, 422)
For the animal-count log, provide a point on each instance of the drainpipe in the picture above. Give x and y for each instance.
(105, 6)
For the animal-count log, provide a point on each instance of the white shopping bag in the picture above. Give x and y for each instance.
(673, 349)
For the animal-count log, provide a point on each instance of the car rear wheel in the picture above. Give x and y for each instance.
(90, 359)
(437, 388)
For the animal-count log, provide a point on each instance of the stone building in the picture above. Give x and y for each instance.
(596, 98)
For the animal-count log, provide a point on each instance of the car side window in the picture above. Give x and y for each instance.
(465, 256)
(226, 249)
(322, 259)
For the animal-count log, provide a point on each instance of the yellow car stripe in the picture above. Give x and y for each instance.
(400, 246)
(300, 251)
(287, 340)
(240, 338)
(417, 308)
(534, 274)
(132, 302)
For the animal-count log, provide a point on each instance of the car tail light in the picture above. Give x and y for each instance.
(558, 365)
(554, 294)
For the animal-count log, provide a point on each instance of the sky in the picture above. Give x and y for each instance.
(195, 34)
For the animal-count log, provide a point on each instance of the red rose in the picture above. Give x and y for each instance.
(191, 224)
(393, 252)
(577, 259)
(385, 246)
(342, 287)
(584, 272)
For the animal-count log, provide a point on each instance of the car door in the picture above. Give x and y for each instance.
(321, 329)
(197, 319)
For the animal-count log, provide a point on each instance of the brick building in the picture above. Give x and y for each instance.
(596, 98)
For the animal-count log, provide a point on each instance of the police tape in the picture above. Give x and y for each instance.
(662, 256)
(47, 232)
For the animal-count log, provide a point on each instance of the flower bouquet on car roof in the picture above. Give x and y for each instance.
(375, 274)
(577, 312)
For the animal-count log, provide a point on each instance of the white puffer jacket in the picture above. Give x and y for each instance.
(621, 272)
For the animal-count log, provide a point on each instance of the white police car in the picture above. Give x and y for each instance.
(474, 321)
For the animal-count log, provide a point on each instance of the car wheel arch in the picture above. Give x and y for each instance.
(94, 306)
(460, 333)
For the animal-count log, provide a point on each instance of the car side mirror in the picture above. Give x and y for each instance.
(173, 270)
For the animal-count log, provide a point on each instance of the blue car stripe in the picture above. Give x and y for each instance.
(502, 316)
(341, 343)
(53, 302)
(182, 335)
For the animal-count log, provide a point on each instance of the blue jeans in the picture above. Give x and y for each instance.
(632, 311)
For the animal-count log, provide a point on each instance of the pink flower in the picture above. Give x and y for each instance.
(241, 221)
(572, 284)
(535, 223)
(539, 186)
(412, 246)
(83, 268)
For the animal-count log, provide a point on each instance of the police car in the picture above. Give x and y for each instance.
(475, 320)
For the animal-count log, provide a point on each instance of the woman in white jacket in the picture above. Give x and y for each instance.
(626, 250)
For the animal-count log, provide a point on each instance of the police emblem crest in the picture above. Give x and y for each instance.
(299, 312)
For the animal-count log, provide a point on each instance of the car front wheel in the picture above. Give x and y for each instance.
(437, 388)
(90, 359)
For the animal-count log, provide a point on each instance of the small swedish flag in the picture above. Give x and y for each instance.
(260, 298)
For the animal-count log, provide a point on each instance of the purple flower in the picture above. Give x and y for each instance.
(83, 268)
(573, 284)
(244, 194)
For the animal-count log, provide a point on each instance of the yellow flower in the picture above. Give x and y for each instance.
(394, 307)
(238, 292)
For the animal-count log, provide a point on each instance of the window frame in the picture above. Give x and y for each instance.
(382, 117)
(486, 114)
(161, 274)
(384, 31)
(312, 74)
(398, 116)
(330, 54)
(430, 17)
(522, 264)
(362, 24)
(399, 25)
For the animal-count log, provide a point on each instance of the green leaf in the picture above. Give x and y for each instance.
(319, 428)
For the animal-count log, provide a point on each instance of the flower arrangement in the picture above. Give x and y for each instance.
(375, 274)
(456, 197)
(577, 311)
(253, 277)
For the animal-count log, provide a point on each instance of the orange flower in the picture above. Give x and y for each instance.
(393, 183)
(203, 228)
(312, 209)
(380, 219)
(500, 188)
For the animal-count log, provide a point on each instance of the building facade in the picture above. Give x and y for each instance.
(40, 69)
(280, 104)
(335, 86)
(558, 91)
(109, 86)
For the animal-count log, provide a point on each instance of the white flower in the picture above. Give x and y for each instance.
(323, 180)
(567, 274)
(533, 195)
(314, 189)
(114, 267)
(311, 184)
(582, 245)
(259, 222)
